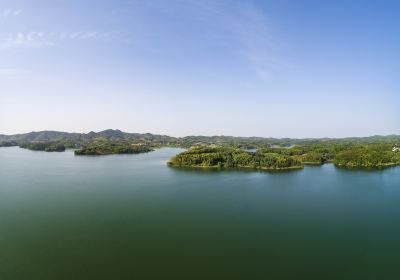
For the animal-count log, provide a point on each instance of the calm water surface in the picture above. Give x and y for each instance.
(132, 217)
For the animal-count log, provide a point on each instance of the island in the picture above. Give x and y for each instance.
(369, 156)
(8, 144)
(112, 147)
(43, 146)
(345, 155)
(233, 158)
(223, 151)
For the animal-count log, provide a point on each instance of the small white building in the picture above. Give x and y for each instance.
(395, 149)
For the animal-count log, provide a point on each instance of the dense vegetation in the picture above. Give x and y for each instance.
(78, 139)
(44, 146)
(375, 151)
(368, 156)
(8, 143)
(112, 147)
(343, 154)
(232, 157)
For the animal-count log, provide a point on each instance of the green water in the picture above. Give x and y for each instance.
(132, 217)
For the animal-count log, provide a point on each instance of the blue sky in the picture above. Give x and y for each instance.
(192, 67)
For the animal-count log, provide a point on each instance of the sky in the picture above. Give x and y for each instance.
(287, 68)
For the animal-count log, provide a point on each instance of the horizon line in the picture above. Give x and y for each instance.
(199, 135)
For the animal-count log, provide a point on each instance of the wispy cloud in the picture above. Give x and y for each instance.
(251, 30)
(40, 39)
(259, 46)
(9, 12)
(233, 23)
(20, 39)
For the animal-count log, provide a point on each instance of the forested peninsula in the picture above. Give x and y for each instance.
(114, 147)
(222, 151)
(234, 158)
(44, 146)
(365, 156)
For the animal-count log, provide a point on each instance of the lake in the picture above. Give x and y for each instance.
(132, 217)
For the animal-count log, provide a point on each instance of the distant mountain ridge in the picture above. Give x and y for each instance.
(118, 135)
(109, 134)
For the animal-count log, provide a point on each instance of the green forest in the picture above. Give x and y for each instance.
(44, 146)
(112, 147)
(374, 155)
(222, 151)
(233, 158)
(349, 155)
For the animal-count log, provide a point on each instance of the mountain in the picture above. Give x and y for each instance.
(41, 136)
(188, 141)
(108, 134)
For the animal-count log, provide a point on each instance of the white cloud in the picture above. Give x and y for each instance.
(250, 29)
(11, 12)
(17, 12)
(30, 40)
(40, 39)
(74, 35)
(62, 35)
(88, 35)
(232, 23)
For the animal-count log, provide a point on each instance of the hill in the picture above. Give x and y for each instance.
(188, 141)
(109, 134)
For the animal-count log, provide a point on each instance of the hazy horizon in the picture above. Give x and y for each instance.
(179, 136)
(296, 69)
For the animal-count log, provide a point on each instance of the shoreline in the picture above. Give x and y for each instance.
(169, 164)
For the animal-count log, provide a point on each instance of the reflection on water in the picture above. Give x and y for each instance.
(132, 217)
(234, 170)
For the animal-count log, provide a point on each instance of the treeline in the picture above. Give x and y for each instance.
(375, 151)
(306, 154)
(112, 147)
(44, 146)
(368, 156)
(77, 139)
(97, 146)
(349, 155)
(8, 144)
(233, 158)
